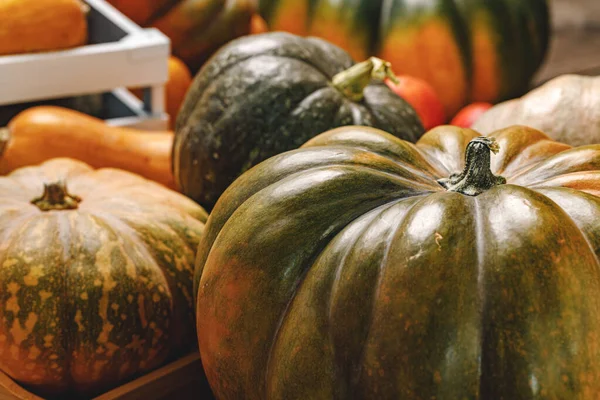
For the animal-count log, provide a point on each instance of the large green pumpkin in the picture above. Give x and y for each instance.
(365, 267)
(265, 94)
(96, 272)
(469, 50)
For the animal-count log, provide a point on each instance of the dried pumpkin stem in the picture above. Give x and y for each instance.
(353, 81)
(477, 176)
(56, 197)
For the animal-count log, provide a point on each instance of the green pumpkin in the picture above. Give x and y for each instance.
(265, 94)
(362, 266)
(96, 272)
(469, 50)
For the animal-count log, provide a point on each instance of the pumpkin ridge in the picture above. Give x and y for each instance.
(302, 279)
(125, 227)
(144, 360)
(68, 338)
(584, 224)
(519, 159)
(546, 168)
(555, 277)
(329, 228)
(383, 265)
(210, 233)
(13, 245)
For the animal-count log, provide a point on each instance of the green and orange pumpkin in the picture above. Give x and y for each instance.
(469, 50)
(95, 277)
(362, 266)
(197, 28)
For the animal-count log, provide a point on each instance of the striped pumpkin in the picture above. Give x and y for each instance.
(95, 276)
(469, 50)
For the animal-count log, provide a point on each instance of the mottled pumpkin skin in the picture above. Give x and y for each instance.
(265, 94)
(343, 270)
(90, 298)
(469, 50)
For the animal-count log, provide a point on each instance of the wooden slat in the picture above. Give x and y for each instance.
(180, 380)
(572, 52)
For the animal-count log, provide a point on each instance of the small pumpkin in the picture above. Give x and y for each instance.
(567, 108)
(264, 94)
(29, 26)
(96, 274)
(363, 266)
(41, 133)
(197, 28)
(478, 50)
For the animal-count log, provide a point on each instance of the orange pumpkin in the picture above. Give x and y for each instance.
(95, 277)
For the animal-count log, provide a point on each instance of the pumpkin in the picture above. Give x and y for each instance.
(567, 108)
(477, 50)
(45, 132)
(197, 28)
(264, 94)
(96, 274)
(362, 266)
(28, 26)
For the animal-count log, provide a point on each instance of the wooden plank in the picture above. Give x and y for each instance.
(572, 52)
(575, 42)
(182, 379)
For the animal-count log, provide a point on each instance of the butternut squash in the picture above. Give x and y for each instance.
(41, 133)
(28, 26)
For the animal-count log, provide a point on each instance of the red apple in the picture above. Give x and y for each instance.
(466, 117)
(422, 97)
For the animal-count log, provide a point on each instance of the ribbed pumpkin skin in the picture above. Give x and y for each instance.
(197, 28)
(469, 50)
(265, 94)
(343, 270)
(92, 297)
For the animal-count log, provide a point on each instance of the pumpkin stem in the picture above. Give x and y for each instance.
(353, 81)
(4, 139)
(477, 176)
(56, 197)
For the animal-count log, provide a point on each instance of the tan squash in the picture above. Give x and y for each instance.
(28, 26)
(41, 133)
(567, 109)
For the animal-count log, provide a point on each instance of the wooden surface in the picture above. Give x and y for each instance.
(179, 380)
(575, 43)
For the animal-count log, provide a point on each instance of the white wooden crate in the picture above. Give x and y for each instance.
(119, 54)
